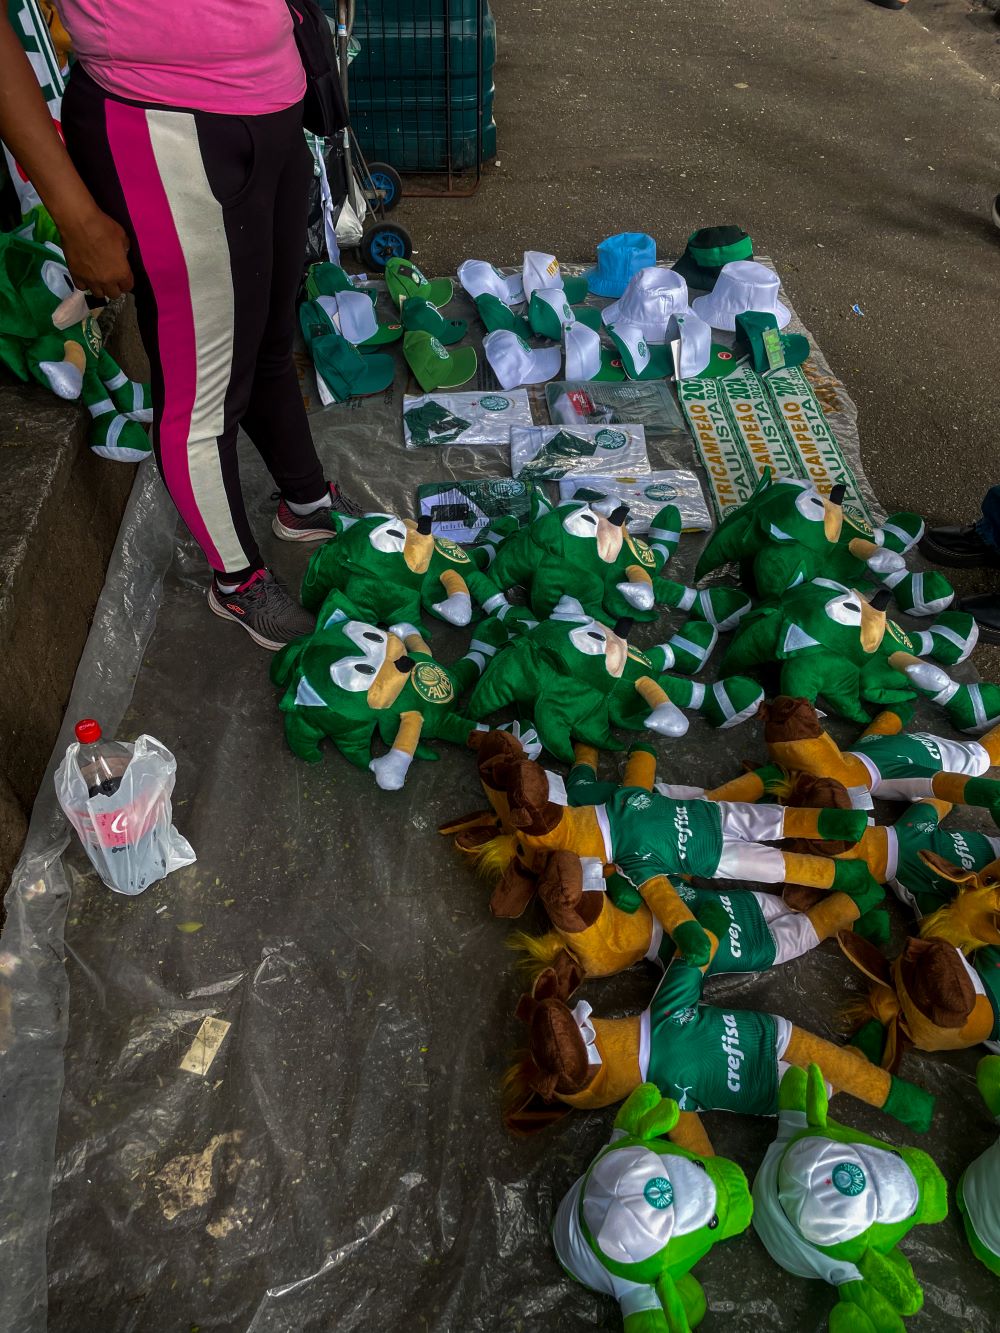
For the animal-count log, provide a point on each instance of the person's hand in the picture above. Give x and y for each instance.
(96, 251)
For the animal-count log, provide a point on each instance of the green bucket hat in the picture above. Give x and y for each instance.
(495, 315)
(549, 312)
(708, 250)
(404, 279)
(420, 314)
(757, 336)
(346, 373)
(640, 361)
(434, 366)
(329, 279)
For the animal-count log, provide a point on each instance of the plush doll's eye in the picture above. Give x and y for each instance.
(388, 537)
(697, 1162)
(713, 1222)
(56, 278)
(365, 669)
(355, 673)
(845, 610)
(810, 505)
(581, 523)
(594, 635)
(372, 637)
(589, 639)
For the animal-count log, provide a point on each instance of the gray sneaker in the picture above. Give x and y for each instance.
(264, 609)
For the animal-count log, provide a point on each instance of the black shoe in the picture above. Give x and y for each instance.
(959, 548)
(264, 609)
(985, 610)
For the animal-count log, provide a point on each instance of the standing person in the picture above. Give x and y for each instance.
(187, 182)
(972, 546)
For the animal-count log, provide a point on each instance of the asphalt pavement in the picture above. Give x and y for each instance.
(858, 147)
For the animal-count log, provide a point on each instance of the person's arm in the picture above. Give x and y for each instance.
(95, 247)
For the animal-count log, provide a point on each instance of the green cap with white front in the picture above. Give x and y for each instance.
(495, 315)
(434, 366)
(346, 373)
(329, 279)
(403, 279)
(550, 312)
(420, 314)
(639, 360)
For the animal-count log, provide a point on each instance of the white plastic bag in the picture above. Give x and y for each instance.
(129, 836)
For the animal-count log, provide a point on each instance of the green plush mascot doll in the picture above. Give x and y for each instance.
(47, 334)
(351, 679)
(576, 551)
(828, 641)
(393, 569)
(833, 1204)
(978, 1193)
(650, 1206)
(787, 533)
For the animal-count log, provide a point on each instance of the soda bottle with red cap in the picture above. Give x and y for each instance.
(102, 762)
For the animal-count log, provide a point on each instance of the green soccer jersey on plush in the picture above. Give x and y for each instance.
(987, 964)
(919, 830)
(708, 1058)
(747, 946)
(915, 754)
(652, 835)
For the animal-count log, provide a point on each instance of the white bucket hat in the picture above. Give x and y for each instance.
(353, 317)
(652, 299)
(479, 277)
(742, 285)
(515, 363)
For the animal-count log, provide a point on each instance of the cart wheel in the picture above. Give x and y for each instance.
(383, 242)
(387, 183)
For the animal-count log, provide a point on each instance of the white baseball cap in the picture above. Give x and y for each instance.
(514, 362)
(832, 1191)
(641, 362)
(652, 300)
(742, 285)
(694, 346)
(541, 271)
(479, 277)
(635, 1201)
(353, 313)
(586, 356)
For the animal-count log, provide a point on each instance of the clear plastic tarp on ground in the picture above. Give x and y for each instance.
(262, 1096)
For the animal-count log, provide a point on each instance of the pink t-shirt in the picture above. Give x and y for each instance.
(235, 57)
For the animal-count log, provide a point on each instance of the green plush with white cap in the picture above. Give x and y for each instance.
(646, 1211)
(978, 1192)
(351, 679)
(394, 569)
(577, 551)
(788, 533)
(47, 334)
(833, 1204)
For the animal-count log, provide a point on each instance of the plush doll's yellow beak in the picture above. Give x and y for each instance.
(418, 546)
(872, 624)
(616, 649)
(833, 514)
(862, 549)
(392, 674)
(611, 534)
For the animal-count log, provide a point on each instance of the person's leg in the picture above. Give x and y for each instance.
(969, 545)
(175, 181)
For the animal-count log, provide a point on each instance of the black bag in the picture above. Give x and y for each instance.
(325, 110)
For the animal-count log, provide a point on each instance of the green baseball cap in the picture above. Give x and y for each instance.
(433, 365)
(495, 315)
(708, 251)
(549, 312)
(404, 279)
(346, 373)
(329, 279)
(420, 314)
(640, 361)
(757, 336)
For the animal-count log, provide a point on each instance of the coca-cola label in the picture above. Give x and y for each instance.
(126, 824)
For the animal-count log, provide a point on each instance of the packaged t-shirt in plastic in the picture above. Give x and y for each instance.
(459, 510)
(551, 452)
(644, 495)
(646, 403)
(464, 418)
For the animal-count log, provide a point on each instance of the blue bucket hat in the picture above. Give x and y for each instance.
(618, 258)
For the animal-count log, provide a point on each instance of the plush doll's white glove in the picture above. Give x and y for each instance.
(526, 734)
(391, 769)
(885, 562)
(456, 609)
(404, 630)
(666, 719)
(638, 595)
